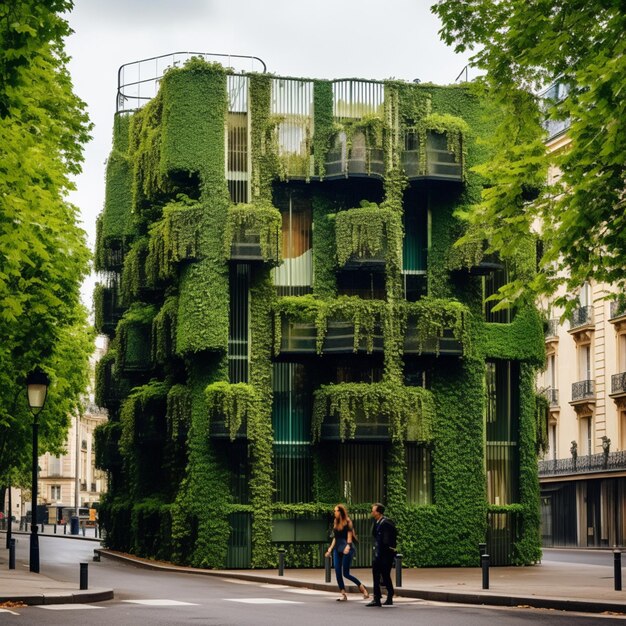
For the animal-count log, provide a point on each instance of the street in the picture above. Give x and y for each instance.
(146, 597)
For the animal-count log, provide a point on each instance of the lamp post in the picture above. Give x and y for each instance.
(37, 386)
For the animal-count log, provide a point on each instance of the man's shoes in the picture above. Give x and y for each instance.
(374, 603)
(388, 602)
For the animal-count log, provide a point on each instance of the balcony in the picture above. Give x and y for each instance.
(613, 462)
(301, 338)
(617, 310)
(581, 324)
(246, 247)
(553, 397)
(108, 310)
(440, 162)
(219, 429)
(552, 330)
(583, 397)
(447, 345)
(253, 234)
(359, 159)
(618, 390)
(372, 412)
(583, 390)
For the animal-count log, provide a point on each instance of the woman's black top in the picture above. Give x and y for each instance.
(341, 536)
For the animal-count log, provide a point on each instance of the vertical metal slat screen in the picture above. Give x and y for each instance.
(292, 104)
(361, 472)
(419, 488)
(237, 136)
(238, 324)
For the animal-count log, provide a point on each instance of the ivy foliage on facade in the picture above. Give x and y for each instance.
(176, 280)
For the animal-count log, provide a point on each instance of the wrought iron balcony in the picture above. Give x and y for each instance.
(583, 316)
(553, 396)
(613, 462)
(552, 329)
(617, 309)
(583, 390)
(618, 384)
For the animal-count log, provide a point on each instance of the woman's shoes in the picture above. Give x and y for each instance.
(364, 591)
(343, 597)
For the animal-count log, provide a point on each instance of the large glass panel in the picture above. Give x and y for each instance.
(238, 324)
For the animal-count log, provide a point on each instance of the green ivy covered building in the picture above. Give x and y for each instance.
(291, 326)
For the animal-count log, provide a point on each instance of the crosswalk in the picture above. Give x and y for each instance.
(273, 594)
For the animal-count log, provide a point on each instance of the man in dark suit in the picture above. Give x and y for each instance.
(384, 533)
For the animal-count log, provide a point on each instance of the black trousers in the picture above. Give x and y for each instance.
(381, 570)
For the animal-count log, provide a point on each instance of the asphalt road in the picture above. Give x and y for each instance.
(156, 598)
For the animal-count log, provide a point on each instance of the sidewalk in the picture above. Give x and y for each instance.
(560, 586)
(21, 585)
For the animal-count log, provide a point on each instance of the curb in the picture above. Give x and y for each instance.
(538, 602)
(72, 597)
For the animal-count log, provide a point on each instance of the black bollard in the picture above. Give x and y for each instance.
(42, 528)
(482, 548)
(55, 529)
(84, 575)
(327, 560)
(281, 562)
(65, 528)
(83, 530)
(12, 554)
(617, 569)
(398, 570)
(484, 562)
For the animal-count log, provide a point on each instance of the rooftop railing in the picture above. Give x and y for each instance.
(138, 81)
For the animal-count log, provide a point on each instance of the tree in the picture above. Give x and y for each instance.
(43, 255)
(522, 47)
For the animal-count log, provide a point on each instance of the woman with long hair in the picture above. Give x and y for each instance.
(342, 550)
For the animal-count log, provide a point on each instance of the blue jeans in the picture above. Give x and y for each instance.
(342, 568)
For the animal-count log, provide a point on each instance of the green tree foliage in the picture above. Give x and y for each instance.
(43, 256)
(522, 47)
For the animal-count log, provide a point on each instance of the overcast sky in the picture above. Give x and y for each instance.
(321, 39)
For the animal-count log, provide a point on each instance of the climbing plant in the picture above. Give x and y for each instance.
(234, 404)
(352, 402)
(256, 221)
(368, 232)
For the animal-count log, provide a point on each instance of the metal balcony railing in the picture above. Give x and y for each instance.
(618, 308)
(552, 328)
(582, 390)
(582, 316)
(618, 383)
(553, 396)
(614, 461)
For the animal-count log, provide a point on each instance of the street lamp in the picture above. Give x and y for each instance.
(37, 387)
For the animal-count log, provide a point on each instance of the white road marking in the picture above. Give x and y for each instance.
(156, 602)
(312, 592)
(67, 607)
(7, 611)
(239, 582)
(273, 586)
(261, 601)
